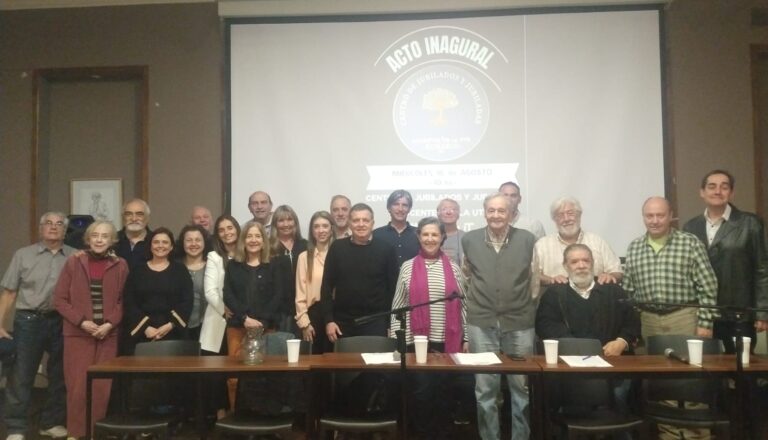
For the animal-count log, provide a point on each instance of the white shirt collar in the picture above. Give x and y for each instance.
(583, 293)
(726, 214)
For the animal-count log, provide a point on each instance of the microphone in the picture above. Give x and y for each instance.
(670, 353)
(454, 295)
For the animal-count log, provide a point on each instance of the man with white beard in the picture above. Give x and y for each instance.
(131, 245)
(548, 252)
(582, 308)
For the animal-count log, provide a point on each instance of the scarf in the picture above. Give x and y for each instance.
(419, 293)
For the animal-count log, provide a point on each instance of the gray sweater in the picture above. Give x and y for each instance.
(499, 292)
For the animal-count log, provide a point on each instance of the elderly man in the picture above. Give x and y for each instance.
(566, 213)
(359, 279)
(448, 212)
(202, 216)
(736, 247)
(29, 283)
(131, 244)
(260, 205)
(670, 266)
(500, 309)
(582, 308)
(340, 206)
(520, 221)
(398, 232)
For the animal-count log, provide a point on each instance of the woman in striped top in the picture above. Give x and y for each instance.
(431, 275)
(89, 296)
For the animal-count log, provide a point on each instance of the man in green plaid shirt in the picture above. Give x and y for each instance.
(670, 266)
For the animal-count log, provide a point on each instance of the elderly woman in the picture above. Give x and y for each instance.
(429, 276)
(309, 278)
(89, 296)
(158, 294)
(286, 243)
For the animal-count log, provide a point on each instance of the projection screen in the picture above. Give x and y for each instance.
(564, 103)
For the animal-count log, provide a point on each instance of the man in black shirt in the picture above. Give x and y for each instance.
(359, 279)
(398, 232)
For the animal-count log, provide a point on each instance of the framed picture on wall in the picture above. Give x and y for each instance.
(101, 198)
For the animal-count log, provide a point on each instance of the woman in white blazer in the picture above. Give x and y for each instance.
(212, 335)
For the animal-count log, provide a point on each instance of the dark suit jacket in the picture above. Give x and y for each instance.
(738, 256)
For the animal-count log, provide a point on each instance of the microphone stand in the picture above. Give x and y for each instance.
(733, 314)
(400, 314)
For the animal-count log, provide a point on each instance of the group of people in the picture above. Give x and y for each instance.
(515, 283)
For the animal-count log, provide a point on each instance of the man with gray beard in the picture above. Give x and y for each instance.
(582, 308)
(131, 245)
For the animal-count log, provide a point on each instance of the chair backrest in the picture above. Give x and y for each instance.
(657, 344)
(178, 347)
(365, 344)
(583, 392)
(146, 393)
(689, 390)
(579, 346)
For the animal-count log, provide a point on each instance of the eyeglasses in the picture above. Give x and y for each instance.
(50, 223)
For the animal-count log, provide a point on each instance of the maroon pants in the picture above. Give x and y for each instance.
(80, 352)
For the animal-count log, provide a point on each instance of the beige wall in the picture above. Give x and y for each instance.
(710, 96)
(181, 44)
(709, 103)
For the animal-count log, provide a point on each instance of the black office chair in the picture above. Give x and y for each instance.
(586, 407)
(707, 391)
(337, 417)
(140, 419)
(268, 404)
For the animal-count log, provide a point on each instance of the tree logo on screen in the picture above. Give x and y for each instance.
(440, 112)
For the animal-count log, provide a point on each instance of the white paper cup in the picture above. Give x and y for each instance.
(747, 341)
(293, 350)
(695, 349)
(550, 351)
(421, 345)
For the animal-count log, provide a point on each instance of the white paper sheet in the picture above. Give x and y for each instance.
(585, 361)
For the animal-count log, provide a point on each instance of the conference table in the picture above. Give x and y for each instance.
(535, 367)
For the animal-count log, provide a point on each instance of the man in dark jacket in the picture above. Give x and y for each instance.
(735, 242)
(583, 308)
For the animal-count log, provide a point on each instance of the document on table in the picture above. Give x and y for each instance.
(488, 358)
(585, 361)
(380, 358)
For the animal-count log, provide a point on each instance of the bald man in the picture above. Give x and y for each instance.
(202, 216)
(670, 266)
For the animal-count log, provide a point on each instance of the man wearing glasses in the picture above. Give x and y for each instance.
(566, 213)
(28, 283)
(131, 245)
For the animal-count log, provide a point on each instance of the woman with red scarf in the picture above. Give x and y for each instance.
(429, 276)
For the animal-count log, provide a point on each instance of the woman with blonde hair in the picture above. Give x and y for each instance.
(252, 287)
(309, 277)
(286, 244)
(89, 297)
